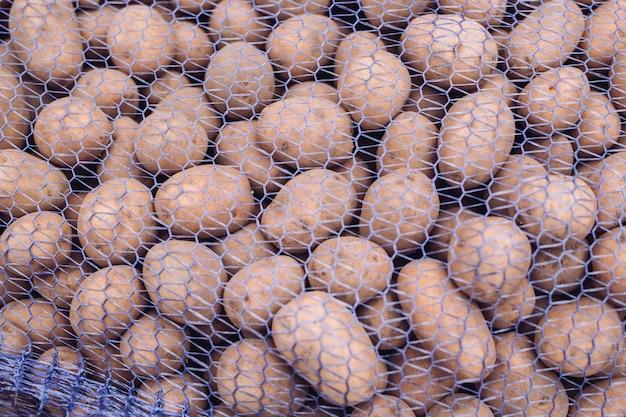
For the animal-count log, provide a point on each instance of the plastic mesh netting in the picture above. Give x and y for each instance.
(299, 208)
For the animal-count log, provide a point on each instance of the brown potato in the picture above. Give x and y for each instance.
(476, 137)
(512, 308)
(57, 365)
(35, 243)
(383, 405)
(450, 50)
(255, 294)
(106, 303)
(359, 172)
(447, 322)
(351, 268)
(427, 100)
(489, 258)
(154, 346)
(410, 141)
(398, 210)
(116, 222)
(322, 340)
(15, 111)
(392, 15)
(209, 200)
(184, 280)
(608, 263)
(179, 394)
(599, 128)
(285, 9)
(308, 89)
(305, 133)
(617, 81)
(71, 131)
(603, 33)
(449, 220)
(94, 25)
(385, 322)
(560, 266)
(103, 362)
(252, 379)
(460, 405)
(356, 44)
(168, 142)
(310, 208)
(238, 20)
(602, 398)
(114, 92)
(579, 338)
(164, 83)
(13, 340)
(61, 284)
(243, 247)
(240, 80)
(544, 38)
(555, 152)
(490, 13)
(193, 47)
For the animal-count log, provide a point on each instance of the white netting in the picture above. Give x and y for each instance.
(312, 208)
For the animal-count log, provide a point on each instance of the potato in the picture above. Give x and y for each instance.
(72, 131)
(553, 100)
(253, 296)
(169, 142)
(617, 81)
(44, 324)
(45, 36)
(72, 208)
(607, 264)
(490, 13)
(427, 100)
(410, 141)
(285, 9)
(555, 152)
(238, 20)
(309, 133)
(359, 172)
(460, 405)
(385, 322)
(544, 38)
(381, 406)
(240, 80)
(13, 340)
(511, 308)
(580, 337)
(116, 222)
(356, 44)
(602, 398)
(450, 218)
(113, 91)
(603, 33)
(56, 366)
(208, 200)
(243, 247)
(177, 394)
(445, 320)
(106, 303)
(374, 88)
(252, 379)
(103, 362)
(476, 137)
(164, 84)
(520, 382)
(450, 50)
(560, 266)
(184, 280)
(193, 47)
(390, 16)
(61, 284)
(489, 258)
(237, 144)
(320, 337)
(139, 41)
(308, 89)
(302, 44)
(599, 128)
(15, 111)
(417, 379)
(94, 25)
(351, 268)
(398, 210)
(154, 346)
(498, 85)
(311, 207)
(34, 243)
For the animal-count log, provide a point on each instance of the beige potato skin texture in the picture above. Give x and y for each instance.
(384, 320)
(446, 321)
(602, 398)
(235, 20)
(604, 32)
(179, 393)
(113, 91)
(243, 247)
(608, 263)
(15, 111)
(460, 405)
(383, 406)
(320, 337)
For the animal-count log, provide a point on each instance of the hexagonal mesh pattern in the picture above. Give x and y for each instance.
(312, 208)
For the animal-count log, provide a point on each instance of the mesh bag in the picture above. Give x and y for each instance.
(312, 208)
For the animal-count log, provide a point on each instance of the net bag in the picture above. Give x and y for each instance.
(312, 208)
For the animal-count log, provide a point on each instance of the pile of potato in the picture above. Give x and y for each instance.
(303, 208)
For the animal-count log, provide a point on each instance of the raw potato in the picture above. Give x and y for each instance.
(305, 133)
(552, 101)
(358, 172)
(169, 142)
(94, 25)
(56, 365)
(179, 394)
(545, 38)
(46, 37)
(490, 13)
(448, 221)
(383, 405)
(243, 247)
(13, 340)
(29, 183)
(154, 346)
(374, 88)
(385, 322)
(489, 258)
(608, 265)
(511, 308)
(476, 138)
(392, 15)
(460, 405)
(350, 268)
(164, 84)
(450, 50)
(599, 128)
(560, 266)
(312, 207)
(356, 44)
(209, 200)
(103, 362)
(398, 210)
(106, 303)
(185, 280)
(410, 141)
(15, 111)
(114, 92)
(193, 47)
(428, 100)
(322, 340)
(240, 80)
(35, 243)
(238, 20)
(254, 295)
(308, 89)
(555, 152)
(253, 380)
(579, 338)
(60, 285)
(116, 222)
(447, 322)
(605, 30)
(602, 398)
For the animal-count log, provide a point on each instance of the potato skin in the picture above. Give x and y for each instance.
(320, 337)
(179, 393)
(114, 92)
(241, 248)
(15, 111)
